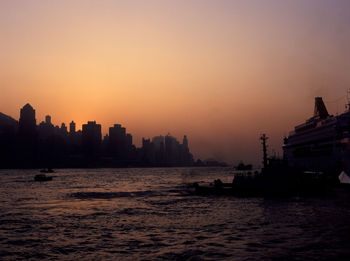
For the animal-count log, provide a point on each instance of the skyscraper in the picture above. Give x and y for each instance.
(63, 129)
(27, 121)
(72, 127)
(120, 143)
(48, 119)
(158, 141)
(185, 142)
(27, 137)
(91, 138)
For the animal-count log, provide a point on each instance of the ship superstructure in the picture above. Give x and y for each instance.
(321, 143)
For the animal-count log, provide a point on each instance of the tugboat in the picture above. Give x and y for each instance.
(276, 179)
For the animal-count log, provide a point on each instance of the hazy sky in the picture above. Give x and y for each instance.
(222, 72)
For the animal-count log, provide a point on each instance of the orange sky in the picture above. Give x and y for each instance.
(221, 72)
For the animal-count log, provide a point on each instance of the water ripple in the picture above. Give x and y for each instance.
(148, 214)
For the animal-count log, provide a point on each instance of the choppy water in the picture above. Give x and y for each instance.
(149, 214)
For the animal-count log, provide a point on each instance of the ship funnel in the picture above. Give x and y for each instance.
(320, 109)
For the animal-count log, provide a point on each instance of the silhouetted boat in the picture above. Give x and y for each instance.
(242, 166)
(276, 179)
(49, 170)
(42, 177)
(274, 182)
(217, 187)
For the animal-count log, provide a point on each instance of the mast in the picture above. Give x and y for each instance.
(264, 138)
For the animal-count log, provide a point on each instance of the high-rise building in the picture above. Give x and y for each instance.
(72, 127)
(148, 154)
(160, 156)
(91, 138)
(120, 143)
(46, 128)
(186, 156)
(171, 149)
(27, 137)
(128, 141)
(63, 128)
(185, 142)
(158, 141)
(169, 152)
(117, 134)
(48, 119)
(27, 121)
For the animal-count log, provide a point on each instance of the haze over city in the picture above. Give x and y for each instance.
(221, 72)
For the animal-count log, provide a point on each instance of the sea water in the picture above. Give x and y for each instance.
(153, 214)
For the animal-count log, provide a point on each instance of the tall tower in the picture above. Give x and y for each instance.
(263, 139)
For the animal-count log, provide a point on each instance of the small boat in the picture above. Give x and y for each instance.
(217, 187)
(42, 177)
(49, 170)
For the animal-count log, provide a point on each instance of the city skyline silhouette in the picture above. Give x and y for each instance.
(26, 144)
(223, 73)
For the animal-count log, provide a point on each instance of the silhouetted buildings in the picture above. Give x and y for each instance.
(52, 143)
(24, 144)
(8, 135)
(46, 128)
(166, 151)
(147, 153)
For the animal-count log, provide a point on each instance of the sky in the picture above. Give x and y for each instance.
(222, 72)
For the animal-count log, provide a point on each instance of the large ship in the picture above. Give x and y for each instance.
(321, 144)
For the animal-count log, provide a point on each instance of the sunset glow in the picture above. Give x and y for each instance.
(221, 72)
